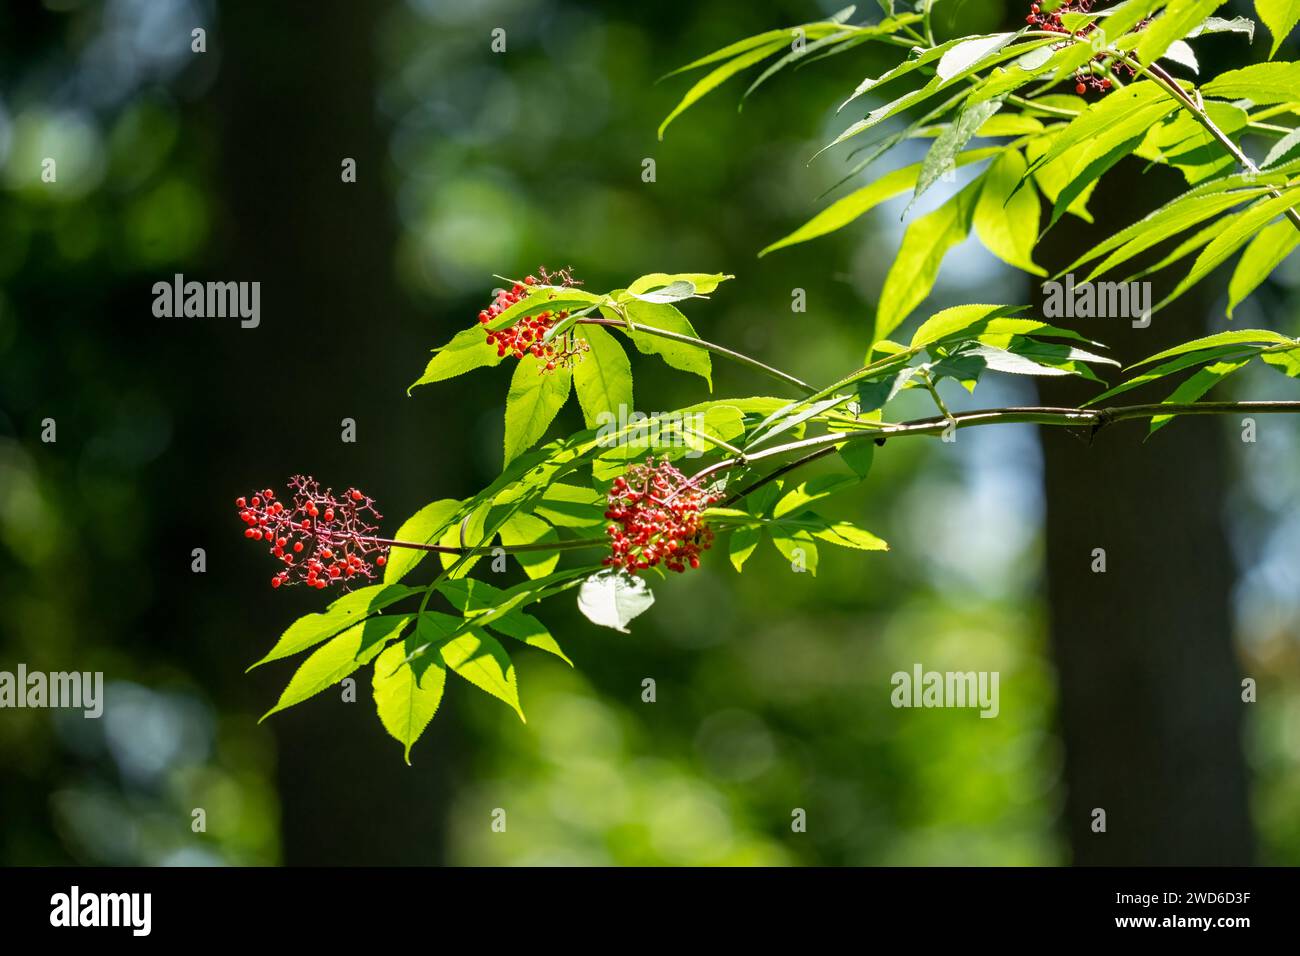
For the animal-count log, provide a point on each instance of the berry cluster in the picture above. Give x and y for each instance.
(1095, 74)
(657, 510)
(527, 336)
(321, 539)
(1052, 21)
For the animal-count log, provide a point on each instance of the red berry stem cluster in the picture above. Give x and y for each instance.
(321, 539)
(1094, 74)
(527, 336)
(656, 510)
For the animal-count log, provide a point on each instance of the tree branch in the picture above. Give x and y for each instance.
(1094, 418)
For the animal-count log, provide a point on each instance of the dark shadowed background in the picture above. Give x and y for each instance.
(1119, 691)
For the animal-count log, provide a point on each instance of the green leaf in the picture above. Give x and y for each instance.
(792, 416)
(1120, 18)
(569, 506)
(1158, 226)
(907, 66)
(603, 376)
(742, 545)
(522, 528)
(719, 76)
(858, 455)
(1288, 363)
(423, 527)
(1196, 386)
(814, 489)
(479, 657)
(942, 157)
(1240, 231)
(1236, 337)
(1283, 148)
(351, 608)
(339, 657)
(526, 628)
(795, 545)
(673, 292)
(1280, 16)
(1138, 106)
(861, 201)
(466, 351)
(786, 35)
(916, 267)
(1182, 142)
(794, 55)
(960, 319)
(1011, 124)
(1177, 364)
(936, 85)
(702, 282)
(969, 53)
(761, 502)
(469, 532)
(1094, 160)
(688, 358)
(486, 606)
(613, 598)
(732, 50)
(1006, 217)
(543, 299)
(1220, 25)
(1192, 207)
(1181, 52)
(407, 693)
(1052, 178)
(847, 535)
(1180, 18)
(1261, 83)
(1027, 358)
(1264, 254)
(1038, 61)
(535, 398)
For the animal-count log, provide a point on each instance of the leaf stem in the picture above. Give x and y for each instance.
(708, 346)
(928, 379)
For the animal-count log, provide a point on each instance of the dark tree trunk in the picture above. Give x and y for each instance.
(297, 97)
(1150, 702)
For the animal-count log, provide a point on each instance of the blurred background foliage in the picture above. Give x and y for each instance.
(772, 688)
